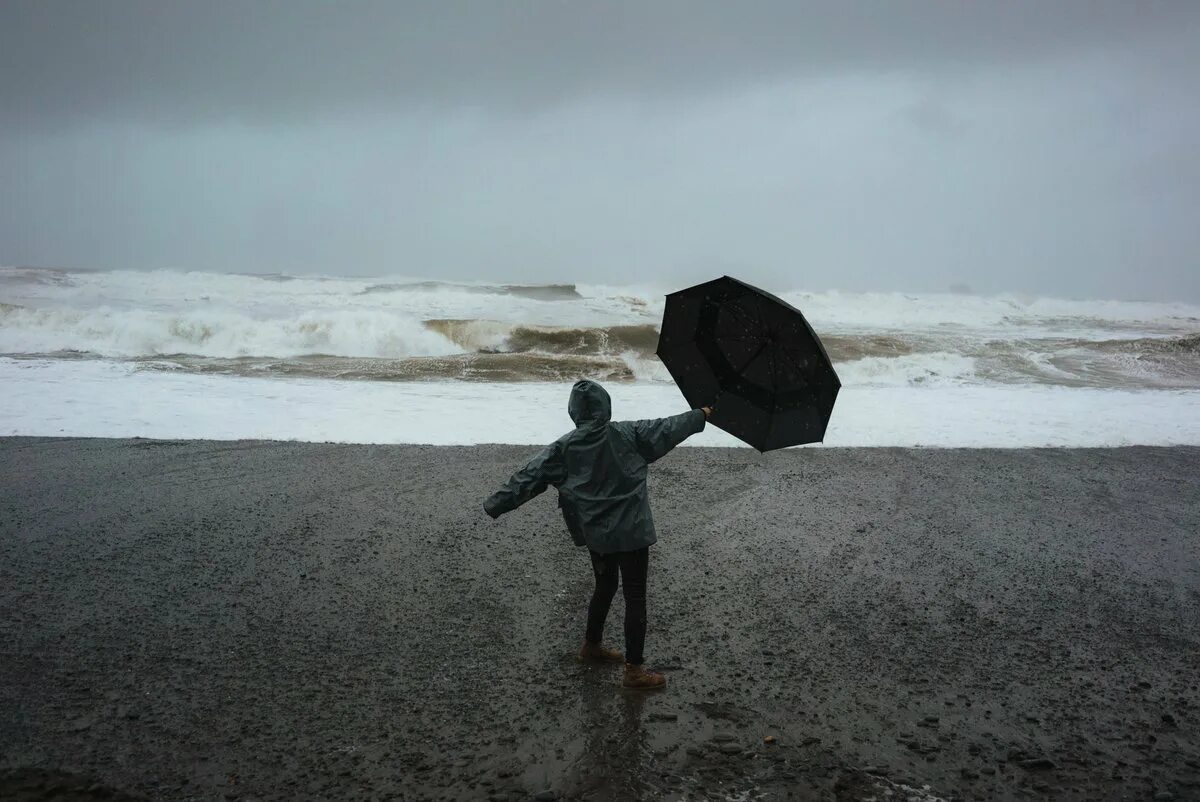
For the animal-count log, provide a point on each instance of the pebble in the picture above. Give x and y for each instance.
(545, 796)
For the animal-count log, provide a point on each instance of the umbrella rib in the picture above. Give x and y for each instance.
(764, 322)
(751, 338)
(774, 392)
(762, 340)
(753, 357)
(745, 317)
(799, 377)
(794, 352)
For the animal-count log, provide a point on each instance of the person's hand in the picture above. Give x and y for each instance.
(707, 412)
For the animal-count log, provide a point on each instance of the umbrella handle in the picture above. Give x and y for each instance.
(713, 403)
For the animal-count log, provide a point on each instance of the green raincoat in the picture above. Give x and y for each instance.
(600, 472)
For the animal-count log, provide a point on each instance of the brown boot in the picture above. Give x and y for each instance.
(598, 653)
(641, 679)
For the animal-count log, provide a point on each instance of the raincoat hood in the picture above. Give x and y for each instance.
(589, 402)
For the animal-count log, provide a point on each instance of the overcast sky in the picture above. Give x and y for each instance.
(1037, 147)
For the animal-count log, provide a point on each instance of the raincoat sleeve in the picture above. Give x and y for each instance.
(654, 438)
(547, 468)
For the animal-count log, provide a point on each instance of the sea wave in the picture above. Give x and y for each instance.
(459, 367)
(1153, 345)
(216, 333)
(539, 292)
(35, 276)
(492, 335)
(908, 369)
(406, 347)
(402, 328)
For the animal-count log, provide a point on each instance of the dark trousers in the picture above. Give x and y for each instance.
(631, 565)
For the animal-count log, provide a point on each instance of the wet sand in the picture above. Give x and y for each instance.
(208, 620)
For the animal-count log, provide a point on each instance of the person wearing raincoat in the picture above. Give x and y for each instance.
(599, 469)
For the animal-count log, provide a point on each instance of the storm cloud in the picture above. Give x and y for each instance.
(1030, 147)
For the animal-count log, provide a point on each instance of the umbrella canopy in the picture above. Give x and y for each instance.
(754, 358)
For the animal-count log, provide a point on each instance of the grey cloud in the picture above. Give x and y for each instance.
(1042, 147)
(177, 62)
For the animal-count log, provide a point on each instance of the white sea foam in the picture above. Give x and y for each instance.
(112, 399)
(597, 305)
(216, 332)
(952, 360)
(913, 369)
(947, 312)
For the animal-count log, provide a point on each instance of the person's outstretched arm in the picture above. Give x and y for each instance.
(544, 469)
(655, 438)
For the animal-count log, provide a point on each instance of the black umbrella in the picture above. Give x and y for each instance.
(754, 358)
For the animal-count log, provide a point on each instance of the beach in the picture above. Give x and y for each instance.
(268, 620)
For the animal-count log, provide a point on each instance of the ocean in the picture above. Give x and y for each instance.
(229, 356)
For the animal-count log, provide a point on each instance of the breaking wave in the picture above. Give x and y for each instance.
(414, 329)
(539, 292)
(1153, 345)
(490, 335)
(44, 276)
(216, 333)
(462, 367)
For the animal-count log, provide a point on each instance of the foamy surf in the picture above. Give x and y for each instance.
(130, 335)
(101, 398)
(410, 329)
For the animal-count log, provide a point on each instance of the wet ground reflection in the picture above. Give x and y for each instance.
(615, 762)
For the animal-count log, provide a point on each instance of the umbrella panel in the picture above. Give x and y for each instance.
(691, 372)
(743, 419)
(803, 424)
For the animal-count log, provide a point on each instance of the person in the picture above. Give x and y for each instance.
(599, 469)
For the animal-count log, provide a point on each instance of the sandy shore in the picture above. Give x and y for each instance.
(209, 620)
